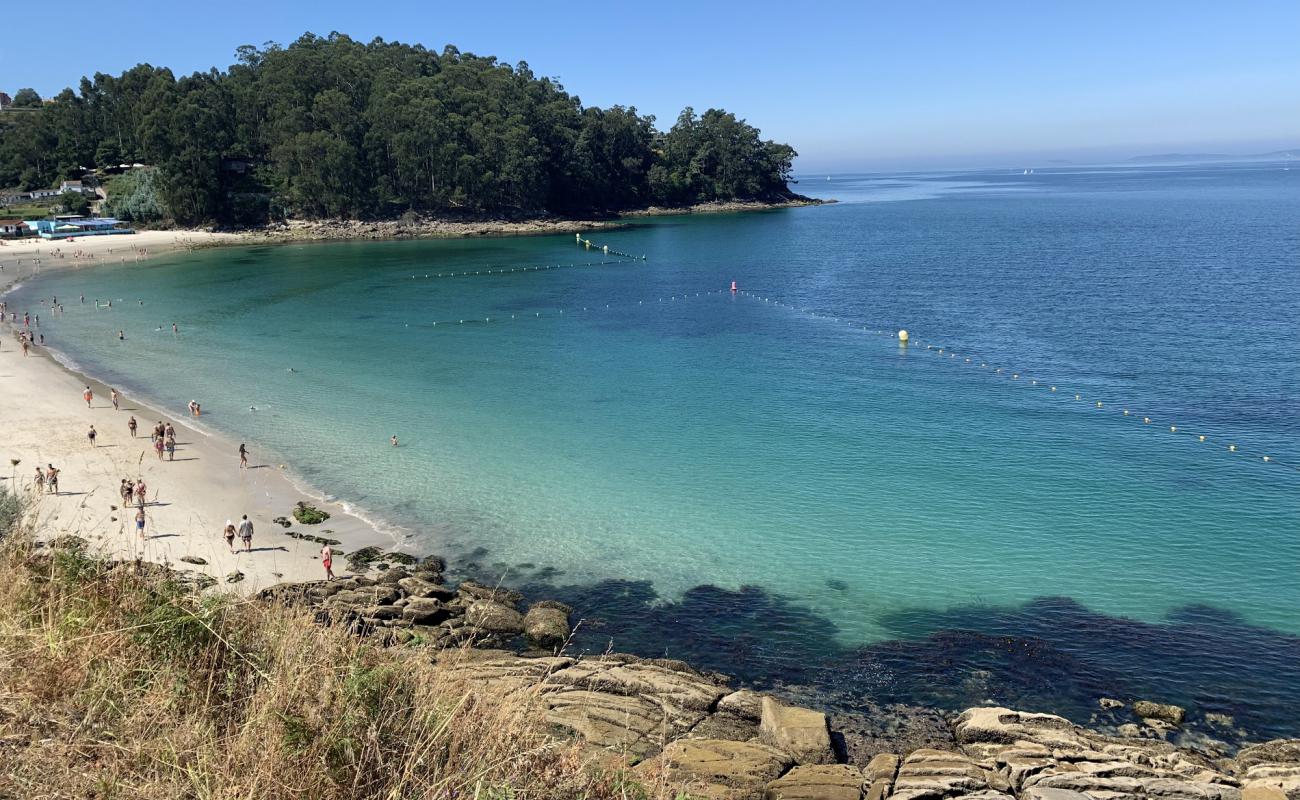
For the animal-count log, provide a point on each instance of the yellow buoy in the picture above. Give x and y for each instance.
(1126, 412)
(1173, 429)
(1201, 437)
(1098, 404)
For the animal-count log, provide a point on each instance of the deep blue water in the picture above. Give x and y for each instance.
(768, 484)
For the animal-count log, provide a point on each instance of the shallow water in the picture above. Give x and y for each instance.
(727, 478)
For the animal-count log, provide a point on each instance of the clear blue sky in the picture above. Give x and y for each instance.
(852, 85)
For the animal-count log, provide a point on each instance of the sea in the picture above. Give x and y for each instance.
(1079, 477)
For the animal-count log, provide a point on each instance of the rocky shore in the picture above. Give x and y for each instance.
(678, 726)
(695, 728)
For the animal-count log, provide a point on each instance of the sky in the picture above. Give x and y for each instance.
(864, 85)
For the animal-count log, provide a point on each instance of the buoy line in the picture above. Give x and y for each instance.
(1030, 381)
(501, 270)
(571, 311)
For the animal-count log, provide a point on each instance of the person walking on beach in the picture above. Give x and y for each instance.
(327, 561)
(158, 447)
(243, 456)
(139, 522)
(40, 480)
(140, 492)
(87, 395)
(246, 533)
(229, 533)
(126, 489)
(115, 397)
(171, 448)
(90, 434)
(51, 479)
(131, 426)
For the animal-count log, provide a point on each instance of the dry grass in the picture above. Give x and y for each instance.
(116, 682)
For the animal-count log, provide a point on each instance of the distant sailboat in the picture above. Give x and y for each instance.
(828, 177)
(1026, 172)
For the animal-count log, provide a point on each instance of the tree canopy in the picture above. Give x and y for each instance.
(331, 127)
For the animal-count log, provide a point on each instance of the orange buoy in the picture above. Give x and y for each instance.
(733, 286)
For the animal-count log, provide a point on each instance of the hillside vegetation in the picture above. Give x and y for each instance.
(330, 127)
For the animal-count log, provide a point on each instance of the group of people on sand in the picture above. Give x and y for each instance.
(244, 530)
(135, 491)
(47, 480)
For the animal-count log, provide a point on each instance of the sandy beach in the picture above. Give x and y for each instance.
(43, 420)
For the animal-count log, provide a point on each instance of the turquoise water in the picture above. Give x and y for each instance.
(685, 455)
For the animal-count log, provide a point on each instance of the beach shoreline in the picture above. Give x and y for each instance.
(46, 422)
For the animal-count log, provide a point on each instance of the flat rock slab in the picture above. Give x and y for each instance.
(614, 721)
(817, 782)
(801, 732)
(501, 671)
(676, 690)
(719, 769)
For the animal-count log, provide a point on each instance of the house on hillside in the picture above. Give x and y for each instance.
(5, 101)
(75, 186)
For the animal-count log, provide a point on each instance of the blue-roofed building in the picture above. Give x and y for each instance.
(69, 227)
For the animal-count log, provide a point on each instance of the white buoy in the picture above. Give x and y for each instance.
(902, 336)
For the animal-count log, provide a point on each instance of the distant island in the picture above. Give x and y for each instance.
(1183, 158)
(329, 127)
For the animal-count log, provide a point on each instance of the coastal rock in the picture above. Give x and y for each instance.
(718, 769)
(1164, 712)
(937, 774)
(380, 613)
(194, 560)
(493, 617)
(880, 774)
(547, 626)
(998, 725)
(801, 732)
(677, 688)
(817, 782)
(1277, 751)
(364, 596)
(424, 610)
(393, 576)
(502, 672)
(745, 703)
(620, 722)
(419, 587)
(1272, 770)
(478, 591)
(234, 577)
(1110, 704)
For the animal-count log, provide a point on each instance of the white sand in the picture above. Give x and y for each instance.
(44, 420)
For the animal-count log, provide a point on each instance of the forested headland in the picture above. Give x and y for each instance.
(328, 127)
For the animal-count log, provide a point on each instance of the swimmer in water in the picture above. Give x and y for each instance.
(394, 440)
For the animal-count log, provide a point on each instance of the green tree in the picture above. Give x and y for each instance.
(26, 98)
(74, 203)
